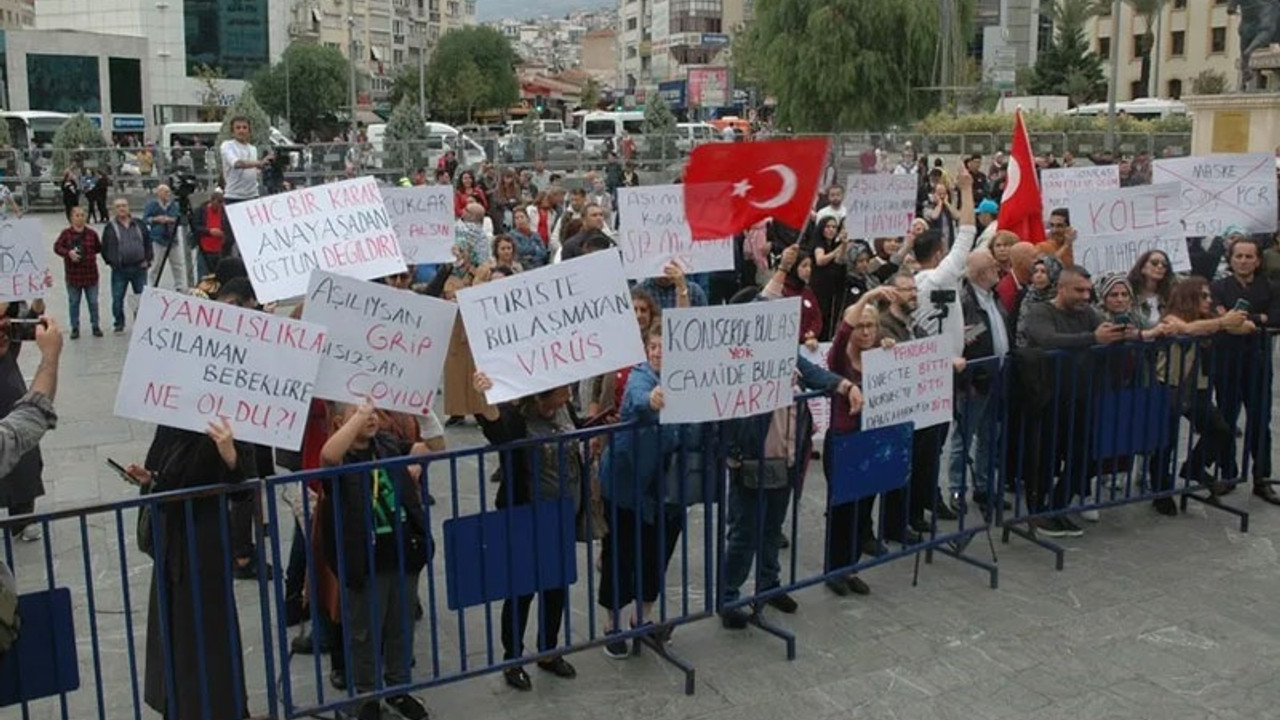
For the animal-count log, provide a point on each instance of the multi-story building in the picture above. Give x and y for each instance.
(661, 40)
(1191, 36)
(15, 14)
(182, 36)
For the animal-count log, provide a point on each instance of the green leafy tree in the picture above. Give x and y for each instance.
(404, 86)
(846, 64)
(76, 141)
(472, 68)
(318, 81)
(1149, 11)
(1209, 82)
(1068, 66)
(590, 96)
(406, 137)
(659, 130)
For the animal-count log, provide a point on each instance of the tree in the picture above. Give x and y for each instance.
(845, 64)
(659, 129)
(590, 96)
(406, 137)
(1209, 82)
(5, 138)
(404, 86)
(210, 79)
(259, 123)
(1148, 10)
(472, 68)
(76, 141)
(1068, 67)
(318, 82)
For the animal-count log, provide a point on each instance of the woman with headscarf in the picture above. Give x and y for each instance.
(827, 242)
(859, 279)
(796, 284)
(1044, 283)
(460, 397)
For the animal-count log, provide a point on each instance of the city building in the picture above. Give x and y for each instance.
(379, 36)
(106, 76)
(660, 41)
(599, 56)
(1191, 36)
(180, 36)
(16, 14)
(1008, 35)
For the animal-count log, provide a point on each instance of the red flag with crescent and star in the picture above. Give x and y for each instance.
(1022, 205)
(728, 187)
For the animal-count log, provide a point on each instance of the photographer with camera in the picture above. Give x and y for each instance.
(163, 218)
(939, 313)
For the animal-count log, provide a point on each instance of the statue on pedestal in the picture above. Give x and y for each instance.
(1259, 28)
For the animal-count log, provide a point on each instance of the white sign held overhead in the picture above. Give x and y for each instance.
(552, 326)
(910, 382)
(728, 361)
(652, 231)
(341, 227)
(819, 407)
(385, 344)
(423, 220)
(1059, 185)
(1115, 227)
(25, 273)
(192, 361)
(1219, 191)
(880, 205)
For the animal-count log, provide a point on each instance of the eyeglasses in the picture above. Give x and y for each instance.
(866, 327)
(1157, 262)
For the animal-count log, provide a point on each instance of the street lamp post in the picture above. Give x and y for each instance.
(422, 71)
(351, 52)
(1110, 142)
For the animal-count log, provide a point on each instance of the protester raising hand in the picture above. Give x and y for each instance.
(224, 439)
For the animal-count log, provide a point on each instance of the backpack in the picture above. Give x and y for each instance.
(10, 622)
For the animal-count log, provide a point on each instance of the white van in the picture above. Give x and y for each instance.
(691, 135)
(440, 138)
(600, 126)
(552, 130)
(206, 134)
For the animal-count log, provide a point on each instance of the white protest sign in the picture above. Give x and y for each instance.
(552, 326)
(880, 205)
(382, 343)
(192, 361)
(423, 220)
(1059, 185)
(910, 382)
(728, 361)
(1219, 191)
(342, 227)
(1115, 227)
(819, 407)
(652, 231)
(24, 260)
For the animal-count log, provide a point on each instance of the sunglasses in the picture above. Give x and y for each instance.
(1157, 262)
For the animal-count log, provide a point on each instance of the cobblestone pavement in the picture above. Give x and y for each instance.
(1153, 617)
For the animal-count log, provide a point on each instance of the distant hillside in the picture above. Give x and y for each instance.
(487, 10)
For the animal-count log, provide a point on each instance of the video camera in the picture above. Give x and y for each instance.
(183, 185)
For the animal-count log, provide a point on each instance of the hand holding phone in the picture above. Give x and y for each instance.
(1242, 305)
(124, 474)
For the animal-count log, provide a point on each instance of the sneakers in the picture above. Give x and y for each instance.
(97, 332)
(1058, 527)
(31, 533)
(618, 649)
(407, 706)
(118, 329)
(75, 333)
(784, 603)
(1090, 516)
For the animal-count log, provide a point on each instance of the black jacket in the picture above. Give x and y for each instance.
(517, 472)
(983, 345)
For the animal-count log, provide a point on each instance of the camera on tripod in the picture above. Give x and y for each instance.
(183, 186)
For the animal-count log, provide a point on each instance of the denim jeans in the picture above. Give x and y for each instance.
(73, 305)
(973, 426)
(121, 280)
(755, 524)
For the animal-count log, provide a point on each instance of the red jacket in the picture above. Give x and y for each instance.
(84, 272)
(810, 311)
(1007, 292)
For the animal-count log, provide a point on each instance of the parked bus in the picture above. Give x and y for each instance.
(32, 128)
(1141, 109)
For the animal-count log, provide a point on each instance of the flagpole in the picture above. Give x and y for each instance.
(1110, 142)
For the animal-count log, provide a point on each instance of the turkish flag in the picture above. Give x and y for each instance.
(1022, 206)
(728, 187)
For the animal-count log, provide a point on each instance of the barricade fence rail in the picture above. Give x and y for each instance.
(36, 174)
(404, 592)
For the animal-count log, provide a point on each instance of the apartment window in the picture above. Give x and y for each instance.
(1136, 90)
(126, 85)
(64, 83)
(1137, 45)
(633, 23)
(1104, 47)
(1218, 40)
(631, 51)
(1177, 43)
(1179, 4)
(1175, 89)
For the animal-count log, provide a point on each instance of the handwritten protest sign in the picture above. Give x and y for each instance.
(1219, 191)
(382, 343)
(909, 382)
(881, 205)
(423, 220)
(551, 326)
(652, 231)
(1115, 227)
(342, 227)
(192, 361)
(728, 361)
(24, 260)
(1059, 185)
(819, 407)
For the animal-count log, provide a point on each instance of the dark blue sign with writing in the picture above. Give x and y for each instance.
(673, 91)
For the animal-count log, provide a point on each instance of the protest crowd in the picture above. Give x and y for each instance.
(1026, 305)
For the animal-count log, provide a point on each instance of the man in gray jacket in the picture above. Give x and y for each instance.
(33, 415)
(126, 250)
